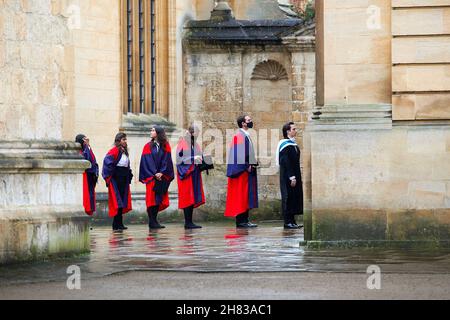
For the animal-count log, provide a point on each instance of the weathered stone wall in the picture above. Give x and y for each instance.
(421, 60)
(381, 184)
(40, 176)
(357, 51)
(219, 87)
(214, 97)
(372, 178)
(33, 70)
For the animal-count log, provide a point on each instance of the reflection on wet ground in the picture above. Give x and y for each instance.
(220, 248)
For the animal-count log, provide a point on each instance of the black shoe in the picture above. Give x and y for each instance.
(246, 225)
(191, 226)
(156, 226)
(242, 225)
(298, 225)
(290, 226)
(122, 227)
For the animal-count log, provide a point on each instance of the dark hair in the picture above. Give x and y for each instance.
(119, 138)
(161, 136)
(189, 137)
(240, 120)
(79, 138)
(192, 128)
(286, 128)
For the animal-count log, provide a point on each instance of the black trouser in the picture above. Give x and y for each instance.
(152, 215)
(289, 207)
(289, 218)
(121, 178)
(118, 220)
(188, 213)
(242, 218)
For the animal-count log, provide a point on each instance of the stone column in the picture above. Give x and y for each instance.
(41, 210)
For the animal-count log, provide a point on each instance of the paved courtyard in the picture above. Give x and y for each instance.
(221, 262)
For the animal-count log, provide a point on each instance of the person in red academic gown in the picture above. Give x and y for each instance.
(90, 176)
(242, 193)
(117, 174)
(189, 176)
(156, 172)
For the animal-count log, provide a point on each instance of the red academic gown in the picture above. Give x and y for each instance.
(153, 162)
(90, 178)
(189, 176)
(116, 201)
(242, 190)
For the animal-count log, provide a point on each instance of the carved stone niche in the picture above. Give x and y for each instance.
(269, 70)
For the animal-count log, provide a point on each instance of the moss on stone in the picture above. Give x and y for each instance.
(377, 244)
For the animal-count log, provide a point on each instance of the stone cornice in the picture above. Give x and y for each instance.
(300, 44)
(303, 39)
(211, 47)
(241, 32)
(351, 117)
(140, 125)
(41, 157)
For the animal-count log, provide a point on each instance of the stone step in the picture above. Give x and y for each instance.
(356, 116)
(355, 108)
(368, 115)
(352, 120)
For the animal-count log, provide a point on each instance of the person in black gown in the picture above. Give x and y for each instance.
(288, 159)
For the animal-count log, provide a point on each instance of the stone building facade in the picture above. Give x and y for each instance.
(65, 70)
(369, 91)
(380, 134)
(98, 108)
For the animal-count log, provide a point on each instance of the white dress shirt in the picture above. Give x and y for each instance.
(124, 161)
(293, 177)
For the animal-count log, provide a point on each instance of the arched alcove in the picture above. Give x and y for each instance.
(269, 70)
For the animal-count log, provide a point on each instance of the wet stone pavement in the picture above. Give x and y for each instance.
(219, 248)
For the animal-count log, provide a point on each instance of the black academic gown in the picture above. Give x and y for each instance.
(291, 198)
